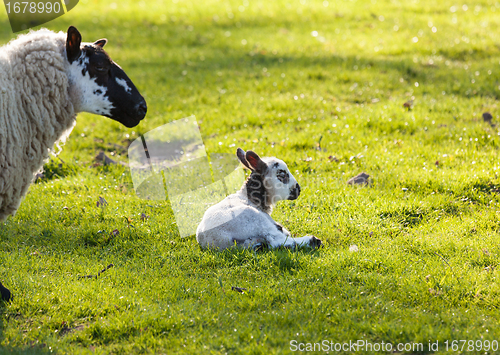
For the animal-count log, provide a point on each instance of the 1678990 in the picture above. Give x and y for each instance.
(25, 7)
(24, 14)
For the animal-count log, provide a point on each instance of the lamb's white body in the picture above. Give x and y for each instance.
(244, 225)
(244, 220)
(35, 110)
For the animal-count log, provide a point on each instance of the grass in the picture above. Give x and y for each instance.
(256, 75)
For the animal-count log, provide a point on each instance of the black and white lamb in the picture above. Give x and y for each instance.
(46, 78)
(243, 218)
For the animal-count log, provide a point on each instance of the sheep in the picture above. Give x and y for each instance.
(46, 78)
(243, 218)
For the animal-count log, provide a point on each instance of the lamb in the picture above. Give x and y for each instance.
(243, 218)
(46, 78)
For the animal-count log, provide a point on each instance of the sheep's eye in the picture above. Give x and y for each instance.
(101, 68)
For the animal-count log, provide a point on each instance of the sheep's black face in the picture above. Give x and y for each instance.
(99, 85)
(129, 107)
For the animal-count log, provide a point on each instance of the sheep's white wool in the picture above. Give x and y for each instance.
(35, 110)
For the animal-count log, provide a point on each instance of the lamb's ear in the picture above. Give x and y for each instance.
(240, 153)
(101, 42)
(73, 42)
(255, 162)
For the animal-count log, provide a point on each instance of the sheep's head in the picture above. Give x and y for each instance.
(270, 181)
(98, 85)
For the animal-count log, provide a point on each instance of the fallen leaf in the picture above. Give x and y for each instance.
(487, 117)
(359, 179)
(408, 105)
(103, 158)
(238, 289)
(102, 202)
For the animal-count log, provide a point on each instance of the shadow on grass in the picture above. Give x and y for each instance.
(321, 66)
(57, 170)
(283, 259)
(412, 216)
(291, 261)
(34, 349)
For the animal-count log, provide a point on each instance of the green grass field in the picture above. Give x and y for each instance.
(304, 81)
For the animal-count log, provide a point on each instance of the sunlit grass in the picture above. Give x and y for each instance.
(320, 85)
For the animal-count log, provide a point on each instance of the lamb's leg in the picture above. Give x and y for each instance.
(256, 244)
(308, 240)
(284, 239)
(4, 293)
(259, 246)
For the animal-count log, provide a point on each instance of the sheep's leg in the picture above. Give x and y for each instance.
(4, 293)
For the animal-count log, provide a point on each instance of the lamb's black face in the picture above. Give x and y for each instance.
(102, 86)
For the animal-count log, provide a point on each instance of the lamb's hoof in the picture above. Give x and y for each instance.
(315, 242)
(4, 293)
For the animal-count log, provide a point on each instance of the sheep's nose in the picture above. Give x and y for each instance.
(298, 189)
(141, 108)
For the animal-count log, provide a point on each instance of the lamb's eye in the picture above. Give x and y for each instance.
(282, 176)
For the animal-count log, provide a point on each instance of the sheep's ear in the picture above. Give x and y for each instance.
(101, 42)
(240, 153)
(73, 42)
(255, 162)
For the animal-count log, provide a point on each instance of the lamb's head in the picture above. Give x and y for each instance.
(270, 180)
(98, 85)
